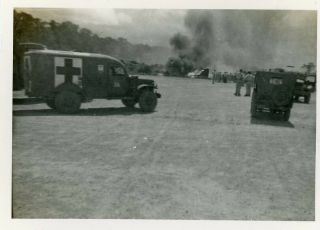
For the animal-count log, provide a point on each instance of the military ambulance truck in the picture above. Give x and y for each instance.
(65, 79)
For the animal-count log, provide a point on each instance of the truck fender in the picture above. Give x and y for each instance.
(145, 87)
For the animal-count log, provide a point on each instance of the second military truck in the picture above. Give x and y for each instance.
(65, 79)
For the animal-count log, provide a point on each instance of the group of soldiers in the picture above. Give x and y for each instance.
(221, 77)
(224, 77)
(244, 78)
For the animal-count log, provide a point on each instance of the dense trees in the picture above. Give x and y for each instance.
(69, 36)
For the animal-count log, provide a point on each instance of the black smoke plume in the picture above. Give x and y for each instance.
(229, 39)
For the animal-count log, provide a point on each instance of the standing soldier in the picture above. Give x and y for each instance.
(225, 77)
(239, 82)
(213, 76)
(248, 81)
(218, 76)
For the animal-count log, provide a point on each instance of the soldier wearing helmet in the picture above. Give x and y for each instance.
(248, 80)
(239, 82)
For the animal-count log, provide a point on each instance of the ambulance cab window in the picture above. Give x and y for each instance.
(117, 71)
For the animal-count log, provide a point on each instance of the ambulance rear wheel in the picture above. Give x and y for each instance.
(129, 102)
(68, 102)
(148, 101)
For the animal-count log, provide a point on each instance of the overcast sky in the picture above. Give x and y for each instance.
(291, 35)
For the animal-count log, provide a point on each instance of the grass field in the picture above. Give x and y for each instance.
(198, 156)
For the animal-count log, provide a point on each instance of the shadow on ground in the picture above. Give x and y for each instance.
(26, 101)
(267, 119)
(82, 112)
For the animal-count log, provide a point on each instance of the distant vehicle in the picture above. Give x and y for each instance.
(204, 74)
(273, 92)
(302, 89)
(311, 80)
(65, 79)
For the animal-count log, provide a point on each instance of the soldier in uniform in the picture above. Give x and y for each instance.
(225, 77)
(213, 76)
(239, 82)
(248, 80)
(218, 76)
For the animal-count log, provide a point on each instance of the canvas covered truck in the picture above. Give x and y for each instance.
(65, 79)
(273, 92)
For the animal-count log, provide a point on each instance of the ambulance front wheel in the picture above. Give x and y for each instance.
(148, 101)
(68, 102)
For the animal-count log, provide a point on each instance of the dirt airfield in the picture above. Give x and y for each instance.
(198, 156)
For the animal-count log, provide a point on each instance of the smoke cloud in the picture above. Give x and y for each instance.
(180, 44)
(233, 39)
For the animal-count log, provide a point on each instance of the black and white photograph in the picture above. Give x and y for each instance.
(163, 113)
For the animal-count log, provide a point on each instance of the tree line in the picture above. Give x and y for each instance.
(69, 36)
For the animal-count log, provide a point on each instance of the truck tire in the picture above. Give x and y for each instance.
(286, 115)
(148, 101)
(130, 103)
(68, 102)
(307, 99)
(51, 103)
